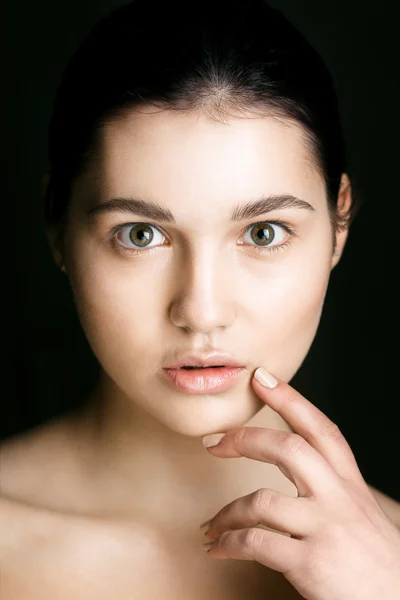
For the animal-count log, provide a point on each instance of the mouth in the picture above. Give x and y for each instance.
(199, 367)
(202, 380)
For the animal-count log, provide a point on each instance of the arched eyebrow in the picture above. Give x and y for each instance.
(152, 210)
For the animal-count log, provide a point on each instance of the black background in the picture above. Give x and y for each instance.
(48, 363)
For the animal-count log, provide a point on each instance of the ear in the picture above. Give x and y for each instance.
(343, 206)
(53, 234)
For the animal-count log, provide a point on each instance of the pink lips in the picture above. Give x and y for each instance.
(202, 381)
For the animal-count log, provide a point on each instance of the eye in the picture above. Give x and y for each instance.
(136, 236)
(263, 234)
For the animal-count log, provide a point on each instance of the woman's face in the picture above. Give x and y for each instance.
(204, 282)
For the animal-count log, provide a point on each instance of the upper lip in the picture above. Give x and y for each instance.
(204, 360)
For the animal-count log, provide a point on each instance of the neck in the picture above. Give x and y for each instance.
(135, 463)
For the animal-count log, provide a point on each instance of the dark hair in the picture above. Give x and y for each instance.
(219, 55)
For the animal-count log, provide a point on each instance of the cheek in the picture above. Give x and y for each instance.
(299, 298)
(120, 313)
(290, 314)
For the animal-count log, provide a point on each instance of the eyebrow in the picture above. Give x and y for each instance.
(152, 210)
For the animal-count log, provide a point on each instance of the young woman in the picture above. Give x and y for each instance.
(198, 200)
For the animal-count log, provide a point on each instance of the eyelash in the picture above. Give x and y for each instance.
(112, 235)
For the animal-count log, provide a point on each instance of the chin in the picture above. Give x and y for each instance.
(211, 414)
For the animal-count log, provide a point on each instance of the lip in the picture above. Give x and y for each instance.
(204, 360)
(202, 381)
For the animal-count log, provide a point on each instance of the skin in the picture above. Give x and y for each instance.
(199, 289)
(196, 289)
(135, 453)
(341, 544)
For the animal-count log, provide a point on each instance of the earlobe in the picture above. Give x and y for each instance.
(335, 260)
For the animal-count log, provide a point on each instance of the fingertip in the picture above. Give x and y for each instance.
(265, 378)
(209, 441)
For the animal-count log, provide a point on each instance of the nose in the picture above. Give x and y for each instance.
(202, 294)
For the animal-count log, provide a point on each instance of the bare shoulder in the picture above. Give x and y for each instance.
(25, 533)
(62, 551)
(59, 555)
(22, 527)
(26, 528)
(30, 461)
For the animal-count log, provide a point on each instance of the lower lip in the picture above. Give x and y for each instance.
(203, 381)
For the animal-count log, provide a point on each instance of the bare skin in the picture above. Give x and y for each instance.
(108, 502)
(66, 549)
(60, 530)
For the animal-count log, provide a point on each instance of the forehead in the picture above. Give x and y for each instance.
(178, 156)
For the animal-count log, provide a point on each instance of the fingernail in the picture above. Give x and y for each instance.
(207, 546)
(265, 378)
(212, 440)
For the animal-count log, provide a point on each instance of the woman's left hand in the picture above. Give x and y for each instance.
(341, 545)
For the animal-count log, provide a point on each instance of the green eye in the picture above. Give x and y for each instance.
(141, 235)
(137, 235)
(263, 234)
(137, 238)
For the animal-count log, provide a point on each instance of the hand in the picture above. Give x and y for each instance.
(338, 544)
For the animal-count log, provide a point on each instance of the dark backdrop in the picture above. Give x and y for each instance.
(48, 363)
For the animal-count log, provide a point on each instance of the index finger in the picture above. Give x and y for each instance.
(309, 422)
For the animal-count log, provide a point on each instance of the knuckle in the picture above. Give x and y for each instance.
(319, 564)
(239, 435)
(262, 500)
(293, 444)
(222, 539)
(329, 429)
(253, 539)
